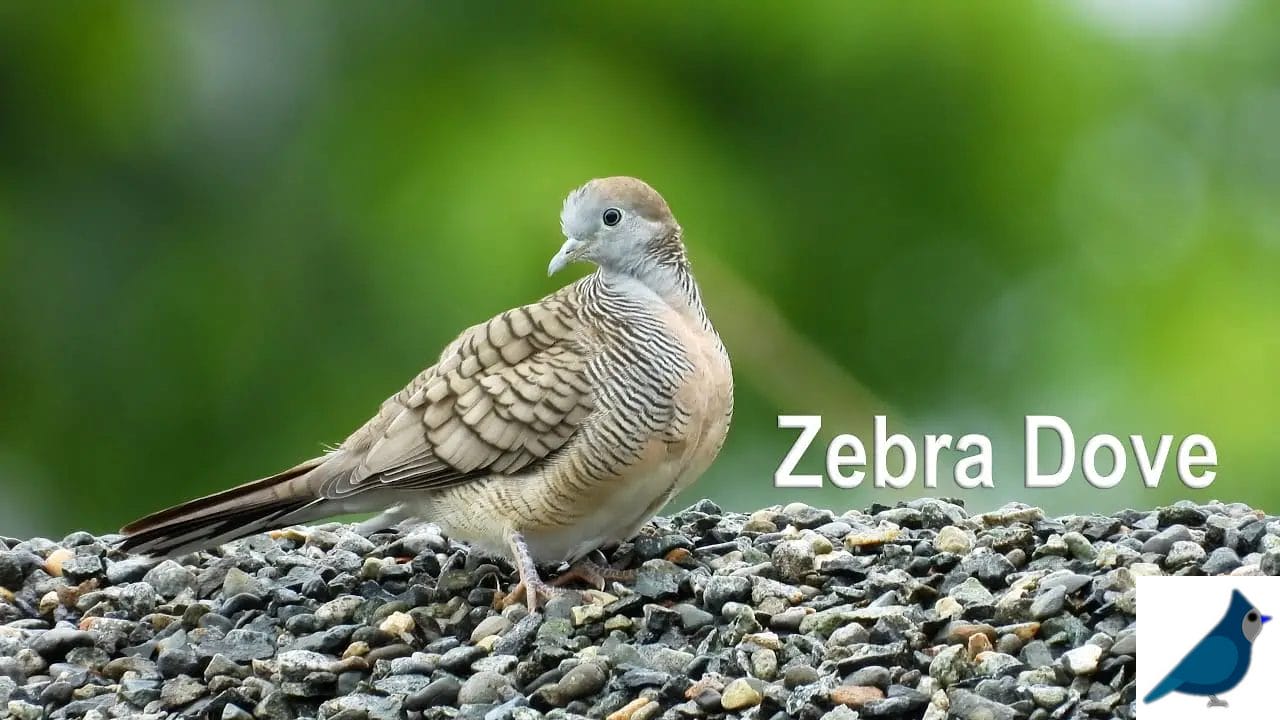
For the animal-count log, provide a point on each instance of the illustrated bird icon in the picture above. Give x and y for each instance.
(541, 434)
(1219, 661)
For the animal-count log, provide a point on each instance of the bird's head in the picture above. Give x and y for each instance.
(620, 224)
(1251, 620)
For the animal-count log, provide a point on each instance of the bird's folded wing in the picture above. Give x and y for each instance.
(508, 393)
(1212, 660)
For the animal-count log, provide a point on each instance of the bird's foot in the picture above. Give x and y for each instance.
(531, 593)
(1215, 701)
(531, 587)
(594, 574)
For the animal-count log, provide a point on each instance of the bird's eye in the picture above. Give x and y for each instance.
(1253, 617)
(612, 217)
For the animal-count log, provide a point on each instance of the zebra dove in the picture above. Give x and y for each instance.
(539, 435)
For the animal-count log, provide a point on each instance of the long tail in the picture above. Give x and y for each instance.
(265, 504)
(1166, 686)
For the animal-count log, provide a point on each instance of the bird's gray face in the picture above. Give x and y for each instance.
(1252, 624)
(603, 229)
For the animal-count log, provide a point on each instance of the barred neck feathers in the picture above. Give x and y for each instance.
(669, 277)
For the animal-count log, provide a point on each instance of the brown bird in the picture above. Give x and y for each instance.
(541, 434)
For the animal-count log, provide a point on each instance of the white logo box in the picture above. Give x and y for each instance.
(1175, 613)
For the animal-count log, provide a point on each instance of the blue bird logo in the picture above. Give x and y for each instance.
(1219, 661)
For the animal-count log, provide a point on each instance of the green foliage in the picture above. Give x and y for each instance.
(227, 230)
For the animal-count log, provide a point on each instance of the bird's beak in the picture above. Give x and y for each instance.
(1265, 619)
(568, 253)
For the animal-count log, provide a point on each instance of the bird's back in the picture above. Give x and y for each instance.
(1216, 664)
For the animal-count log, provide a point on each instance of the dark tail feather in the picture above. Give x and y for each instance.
(1166, 686)
(229, 515)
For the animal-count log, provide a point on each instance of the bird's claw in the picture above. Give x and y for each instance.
(531, 594)
(593, 574)
(532, 587)
(1215, 701)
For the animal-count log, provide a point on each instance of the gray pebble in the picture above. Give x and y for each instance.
(82, 567)
(129, 570)
(15, 565)
(180, 691)
(798, 675)
(286, 628)
(1068, 581)
(1184, 552)
(56, 643)
(872, 675)
(968, 705)
(585, 679)
(693, 618)
(721, 589)
(658, 579)
(972, 592)
(139, 693)
(364, 706)
(1049, 602)
(484, 688)
(235, 712)
(239, 582)
(442, 691)
(794, 559)
(516, 640)
(1163, 541)
(492, 625)
(169, 579)
(1221, 561)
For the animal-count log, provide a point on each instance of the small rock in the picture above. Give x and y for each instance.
(1181, 514)
(855, 696)
(968, 705)
(339, 610)
(129, 570)
(1221, 561)
(1049, 603)
(797, 675)
(1163, 541)
(950, 665)
(54, 644)
(363, 705)
(181, 691)
(951, 539)
(397, 623)
(21, 710)
(1082, 660)
(239, 582)
(486, 688)
(971, 592)
(583, 680)
(794, 559)
(169, 579)
(442, 691)
(721, 589)
(638, 709)
(1048, 697)
(741, 694)
(658, 579)
(584, 614)
(1184, 552)
(492, 625)
(1079, 546)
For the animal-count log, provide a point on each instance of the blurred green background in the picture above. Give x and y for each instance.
(228, 230)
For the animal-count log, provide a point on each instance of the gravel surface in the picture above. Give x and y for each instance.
(919, 610)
